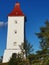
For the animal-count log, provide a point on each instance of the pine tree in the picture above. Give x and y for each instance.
(26, 48)
(43, 35)
(12, 60)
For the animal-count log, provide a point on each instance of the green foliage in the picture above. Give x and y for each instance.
(46, 60)
(27, 47)
(3, 63)
(24, 62)
(36, 64)
(1, 57)
(12, 60)
(18, 60)
(43, 35)
(31, 57)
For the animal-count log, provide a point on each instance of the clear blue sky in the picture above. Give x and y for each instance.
(36, 11)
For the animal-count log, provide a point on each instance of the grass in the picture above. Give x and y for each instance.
(3, 63)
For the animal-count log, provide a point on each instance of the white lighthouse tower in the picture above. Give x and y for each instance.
(15, 35)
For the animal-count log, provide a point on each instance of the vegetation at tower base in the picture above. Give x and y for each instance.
(1, 57)
(18, 60)
(12, 60)
(28, 48)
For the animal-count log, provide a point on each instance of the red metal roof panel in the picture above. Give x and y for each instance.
(16, 11)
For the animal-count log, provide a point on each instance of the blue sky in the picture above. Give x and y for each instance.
(36, 12)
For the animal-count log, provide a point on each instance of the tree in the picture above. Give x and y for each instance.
(1, 57)
(43, 35)
(12, 60)
(18, 60)
(26, 48)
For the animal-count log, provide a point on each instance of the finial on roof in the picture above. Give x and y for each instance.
(17, 5)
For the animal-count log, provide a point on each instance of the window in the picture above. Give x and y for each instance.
(16, 22)
(15, 43)
(15, 31)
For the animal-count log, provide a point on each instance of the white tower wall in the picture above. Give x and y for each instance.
(13, 27)
(15, 36)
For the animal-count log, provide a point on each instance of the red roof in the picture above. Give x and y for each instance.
(16, 11)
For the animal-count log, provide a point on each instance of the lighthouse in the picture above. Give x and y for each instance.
(15, 33)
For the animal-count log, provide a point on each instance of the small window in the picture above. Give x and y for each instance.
(15, 32)
(16, 22)
(15, 43)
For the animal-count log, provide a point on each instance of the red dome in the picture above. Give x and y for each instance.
(16, 11)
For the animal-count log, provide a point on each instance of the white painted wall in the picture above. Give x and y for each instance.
(12, 37)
